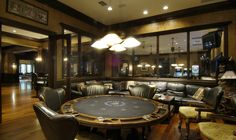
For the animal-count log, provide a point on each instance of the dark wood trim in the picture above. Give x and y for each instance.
(77, 30)
(72, 12)
(80, 61)
(52, 48)
(188, 54)
(22, 37)
(230, 4)
(226, 41)
(0, 72)
(17, 24)
(157, 55)
(68, 75)
(187, 29)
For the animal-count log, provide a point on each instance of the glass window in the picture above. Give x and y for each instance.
(172, 60)
(23, 68)
(29, 68)
(145, 57)
(122, 63)
(206, 48)
(92, 59)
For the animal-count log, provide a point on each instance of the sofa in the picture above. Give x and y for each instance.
(182, 92)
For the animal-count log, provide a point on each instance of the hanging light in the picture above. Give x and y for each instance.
(131, 42)
(117, 48)
(115, 42)
(38, 59)
(111, 39)
(99, 44)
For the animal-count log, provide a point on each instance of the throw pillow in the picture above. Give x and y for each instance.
(199, 94)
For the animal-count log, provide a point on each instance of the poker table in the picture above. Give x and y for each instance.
(115, 111)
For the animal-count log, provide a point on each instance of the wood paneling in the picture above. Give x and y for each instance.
(0, 72)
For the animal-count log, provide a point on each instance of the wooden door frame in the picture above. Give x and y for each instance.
(13, 23)
(0, 72)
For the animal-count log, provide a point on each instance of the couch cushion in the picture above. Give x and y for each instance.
(176, 89)
(217, 131)
(119, 85)
(161, 86)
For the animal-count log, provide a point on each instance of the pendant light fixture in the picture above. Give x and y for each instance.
(115, 42)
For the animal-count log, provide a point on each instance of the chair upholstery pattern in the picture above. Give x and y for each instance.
(53, 98)
(55, 126)
(217, 131)
(142, 91)
(90, 90)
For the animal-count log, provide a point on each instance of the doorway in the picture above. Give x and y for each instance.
(20, 45)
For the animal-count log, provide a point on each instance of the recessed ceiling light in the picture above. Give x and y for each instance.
(165, 7)
(13, 30)
(109, 8)
(145, 12)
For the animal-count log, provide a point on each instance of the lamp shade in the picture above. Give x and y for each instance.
(131, 42)
(117, 48)
(99, 44)
(228, 75)
(111, 39)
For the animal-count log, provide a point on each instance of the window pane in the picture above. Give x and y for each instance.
(145, 57)
(23, 68)
(205, 49)
(173, 55)
(29, 68)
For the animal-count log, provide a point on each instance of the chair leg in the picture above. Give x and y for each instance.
(180, 123)
(187, 128)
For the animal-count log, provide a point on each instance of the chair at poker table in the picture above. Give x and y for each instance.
(142, 90)
(94, 89)
(59, 126)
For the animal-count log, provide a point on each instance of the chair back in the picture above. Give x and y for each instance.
(55, 126)
(89, 90)
(213, 97)
(142, 91)
(53, 98)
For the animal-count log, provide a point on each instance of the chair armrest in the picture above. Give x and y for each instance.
(222, 116)
(199, 110)
(205, 109)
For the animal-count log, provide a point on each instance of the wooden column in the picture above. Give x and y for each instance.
(0, 72)
(68, 78)
(157, 57)
(80, 61)
(188, 54)
(226, 41)
(51, 64)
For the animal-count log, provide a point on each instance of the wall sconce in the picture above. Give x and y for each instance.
(39, 57)
(65, 59)
(14, 66)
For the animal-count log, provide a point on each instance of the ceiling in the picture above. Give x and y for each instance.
(127, 10)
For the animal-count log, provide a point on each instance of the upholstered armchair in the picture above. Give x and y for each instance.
(94, 89)
(142, 91)
(218, 130)
(53, 98)
(190, 114)
(58, 126)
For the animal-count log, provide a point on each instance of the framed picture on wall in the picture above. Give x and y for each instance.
(26, 10)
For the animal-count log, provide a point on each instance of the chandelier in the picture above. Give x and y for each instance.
(115, 43)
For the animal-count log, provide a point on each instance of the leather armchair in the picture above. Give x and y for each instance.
(55, 126)
(89, 90)
(53, 98)
(211, 101)
(142, 91)
(59, 126)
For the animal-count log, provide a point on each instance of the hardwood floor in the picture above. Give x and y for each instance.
(20, 122)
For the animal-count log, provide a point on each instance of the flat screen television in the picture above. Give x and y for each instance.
(211, 40)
